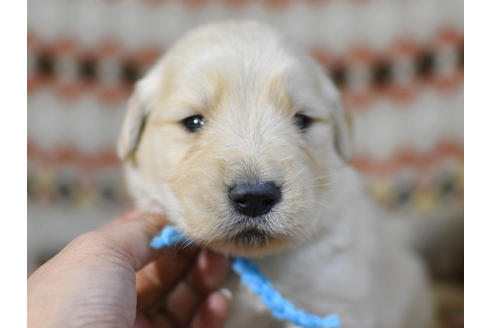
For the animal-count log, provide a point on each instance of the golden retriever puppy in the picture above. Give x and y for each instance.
(239, 138)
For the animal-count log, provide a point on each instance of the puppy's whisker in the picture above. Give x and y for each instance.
(323, 175)
(298, 174)
(323, 205)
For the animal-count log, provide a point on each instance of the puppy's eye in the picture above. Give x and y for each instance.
(303, 121)
(194, 123)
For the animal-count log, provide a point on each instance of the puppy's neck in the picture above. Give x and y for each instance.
(338, 205)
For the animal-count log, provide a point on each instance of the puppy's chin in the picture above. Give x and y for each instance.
(250, 243)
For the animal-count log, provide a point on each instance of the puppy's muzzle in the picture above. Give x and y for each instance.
(254, 199)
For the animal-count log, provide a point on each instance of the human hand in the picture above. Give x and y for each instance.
(111, 277)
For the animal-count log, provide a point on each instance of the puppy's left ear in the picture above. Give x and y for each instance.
(341, 118)
(343, 132)
(133, 126)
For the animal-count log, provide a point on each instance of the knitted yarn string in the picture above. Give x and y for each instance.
(251, 276)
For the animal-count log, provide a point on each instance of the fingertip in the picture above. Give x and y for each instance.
(214, 310)
(216, 263)
(132, 234)
(209, 272)
(214, 259)
(226, 293)
(219, 302)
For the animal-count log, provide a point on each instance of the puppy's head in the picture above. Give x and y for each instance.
(236, 136)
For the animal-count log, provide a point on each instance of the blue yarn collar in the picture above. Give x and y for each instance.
(251, 276)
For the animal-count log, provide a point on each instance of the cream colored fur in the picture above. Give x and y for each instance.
(330, 248)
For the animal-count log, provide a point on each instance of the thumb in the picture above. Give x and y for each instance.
(130, 236)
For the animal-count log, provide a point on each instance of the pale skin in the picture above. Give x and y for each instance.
(111, 277)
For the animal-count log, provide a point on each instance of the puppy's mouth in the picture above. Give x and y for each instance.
(251, 238)
(250, 241)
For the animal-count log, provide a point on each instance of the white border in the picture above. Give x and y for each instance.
(478, 163)
(13, 138)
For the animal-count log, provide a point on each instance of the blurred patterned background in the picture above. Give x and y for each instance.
(398, 63)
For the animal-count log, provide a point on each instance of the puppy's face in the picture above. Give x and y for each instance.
(236, 139)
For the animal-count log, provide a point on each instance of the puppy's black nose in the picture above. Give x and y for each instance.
(254, 199)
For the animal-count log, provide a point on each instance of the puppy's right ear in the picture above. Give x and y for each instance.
(133, 126)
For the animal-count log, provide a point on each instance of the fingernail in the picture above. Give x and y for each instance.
(226, 292)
